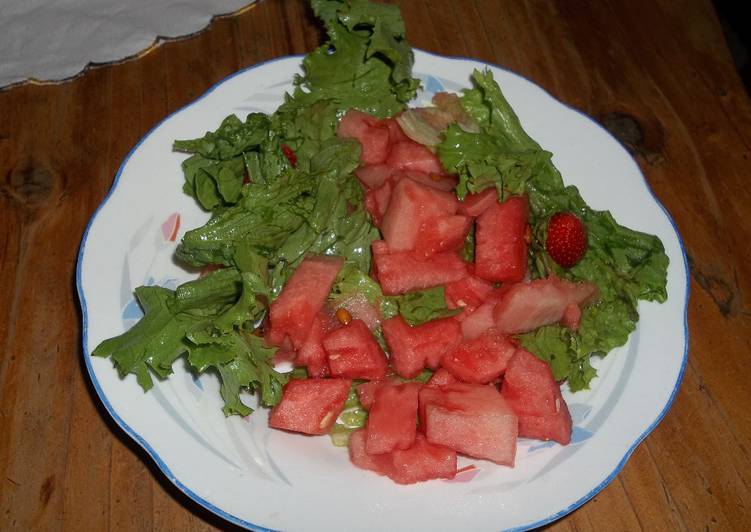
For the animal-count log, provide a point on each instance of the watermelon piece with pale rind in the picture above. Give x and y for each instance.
(446, 183)
(527, 306)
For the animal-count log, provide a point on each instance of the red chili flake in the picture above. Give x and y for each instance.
(290, 155)
(246, 179)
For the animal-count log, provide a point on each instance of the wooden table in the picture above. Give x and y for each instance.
(657, 73)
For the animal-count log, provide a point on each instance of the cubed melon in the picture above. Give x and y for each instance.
(472, 419)
(475, 204)
(533, 394)
(354, 353)
(422, 461)
(442, 233)
(409, 155)
(481, 360)
(501, 246)
(310, 406)
(412, 203)
(413, 349)
(527, 306)
(372, 135)
(291, 314)
(392, 419)
(403, 272)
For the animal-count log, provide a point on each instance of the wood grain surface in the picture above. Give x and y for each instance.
(657, 73)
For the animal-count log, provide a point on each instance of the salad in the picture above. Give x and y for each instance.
(426, 270)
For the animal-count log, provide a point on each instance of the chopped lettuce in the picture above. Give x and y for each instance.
(415, 307)
(366, 64)
(425, 305)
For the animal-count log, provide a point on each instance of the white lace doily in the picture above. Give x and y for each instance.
(48, 40)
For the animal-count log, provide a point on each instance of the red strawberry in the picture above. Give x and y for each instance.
(567, 239)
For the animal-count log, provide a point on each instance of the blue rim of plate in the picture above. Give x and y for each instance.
(251, 526)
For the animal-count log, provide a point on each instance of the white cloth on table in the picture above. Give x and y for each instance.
(49, 40)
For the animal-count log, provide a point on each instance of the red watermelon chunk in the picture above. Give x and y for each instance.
(435, 338)
(377, 202)
(395, 130)
(472, 419)
(414, 348)
(555, 427)
(527, 306)
(422, 461)
(481, 360)
(366, 393)
(380, 463)
(291, 314)
(311, 354)
(443, 233)
(501, 247)
(410, 205)
(354, 123)
(310, 406)
(409, 155)
(468, 293)
(403, 272)
(572, 316)
(479, 321)
(374, 175)
(532, 392)
(441, 182)
(353, 353)
(476, 204)
(373, 136)
(392, 419)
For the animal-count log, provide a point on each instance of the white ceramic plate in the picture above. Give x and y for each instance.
(261, 478)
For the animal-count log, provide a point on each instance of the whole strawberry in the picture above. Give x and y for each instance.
(567, 239)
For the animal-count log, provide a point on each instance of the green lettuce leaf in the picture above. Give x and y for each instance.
(425, 305)
(243, 362)
(366, 64)
(153, 343)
